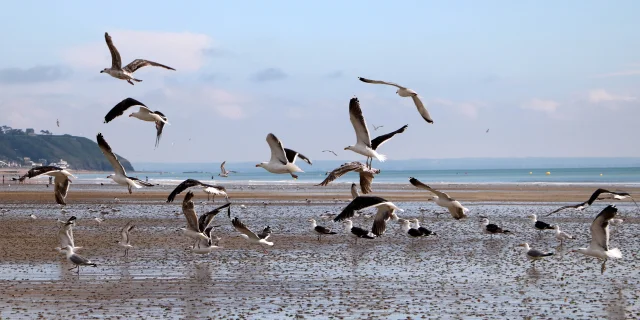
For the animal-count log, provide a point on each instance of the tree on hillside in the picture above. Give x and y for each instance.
(45, 132)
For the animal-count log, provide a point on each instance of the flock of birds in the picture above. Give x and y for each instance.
(282, 161)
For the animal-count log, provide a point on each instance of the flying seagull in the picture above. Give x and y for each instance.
(600, 194)
(58, 122)
(331, 152)
(196, 226)
(61, 182)
(363, 140)
(378, 141)
(65, 235)
(599, 246)
(442, 199)
(533, 254)
(320, 230)
(223, 171)
(405, 92)
(491, 228)
(143, 114)
(376, 127)
(126, 73)
(126, 239)
(208, 188)
(120, 176)
(356, 232)
(248, 234)
(78, 260)
(386, 211)
(282, 159)
(366, 174)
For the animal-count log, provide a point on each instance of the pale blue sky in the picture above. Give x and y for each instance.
(549, 78)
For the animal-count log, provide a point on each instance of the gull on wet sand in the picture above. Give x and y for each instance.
(126, 73)
(320, 230)
(533, 254)
(197, 226)
(386, 210)
(560, 235)
(540, 225)
(490, 228)
(78, 260)
(356, 232)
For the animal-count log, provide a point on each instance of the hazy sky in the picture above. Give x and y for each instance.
(548, 78)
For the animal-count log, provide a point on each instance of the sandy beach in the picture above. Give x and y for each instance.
(461, 273)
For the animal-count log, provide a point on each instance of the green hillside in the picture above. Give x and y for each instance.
(81, 153)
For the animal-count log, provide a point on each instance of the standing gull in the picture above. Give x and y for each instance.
(363, 140)
(78, 260)
(249, 235)
(560, 235)
(320, 230)
(208, 188)
(126, 239)
(143, 114)
(490, 228)
(410, 232)
(533, 254)
(405, 92)
(442, 199)
(386, 210)
(120, 176)
(366, 174)
(62, 181)
(356, 232)
(540, 225)
(126, 73)
(424, 231)
(599, 246)
(282, 159)
(223, 171)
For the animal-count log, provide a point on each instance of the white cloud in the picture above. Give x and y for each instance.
(467, 109)
(618, 74)
(600, 95)
(230, 111)
(547, 106)
(183, 51)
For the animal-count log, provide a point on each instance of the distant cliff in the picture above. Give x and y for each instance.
(81, 153)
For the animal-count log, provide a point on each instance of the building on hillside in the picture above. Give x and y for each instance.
(43, 161)
(26, 160)
(61, 164)
(30, 132)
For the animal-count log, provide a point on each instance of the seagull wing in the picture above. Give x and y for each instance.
(121, 107)
(330, 151)
(34, 172)
(359, 203)
(189, 211)
(141, 182)
(159, 126)
(574, 206)
(380, 82)
(125, 232)
(222, 169)
(421, 109)
(378, 141)
(61, 188)
(277, 151)
(340, 171)
(600, 228)
(116, 62)
(139, 63)
(380, 222)
(240, 227)
(421, 185)
(366, 178)
(358, 122)
(184, 185)
(64, 238)
(354, 191)
(266, 233)
(113, 159)
(205, 220)
(292, 155)
(535, 253)
(456, 210)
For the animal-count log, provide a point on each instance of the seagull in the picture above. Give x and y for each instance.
(126, 240)
(491, 228)
(442, 199)
(487, 131)
(424, 231)
(120, 176)
(61, 182)
(223, 172)
(205, 246)
(58, 123)
(363, 141)
(330, 151)
(282, 159)
(78, 260)
(33, 217)
(534, 254)
(143, 114)
(65, 235)
(248, 234)
(410, 232)
(386, 211)
(539, 225)
(376, 127)
(354, 191)
(561, 235)
(599, 194)
(320, 230)
(405, 92)
(356, 232)
(599, 246)
(378, 141)
(208, 188)
(366, 174)
(265, 234)
(126, 73)
(196, 226)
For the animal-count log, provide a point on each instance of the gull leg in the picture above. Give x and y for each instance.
(71, 268)
(131, 83)
(603, 267)
(295, 177)
(213, 199)
(208, 196)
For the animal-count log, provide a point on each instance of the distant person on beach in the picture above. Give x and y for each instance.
(3, 179)
(146, 178)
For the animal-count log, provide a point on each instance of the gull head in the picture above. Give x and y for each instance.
(533, 217)
(348, 148)
(110, 176)
(105, 70)
(261, 164)
(131, 115)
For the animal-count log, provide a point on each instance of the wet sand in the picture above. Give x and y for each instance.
(461, 273)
